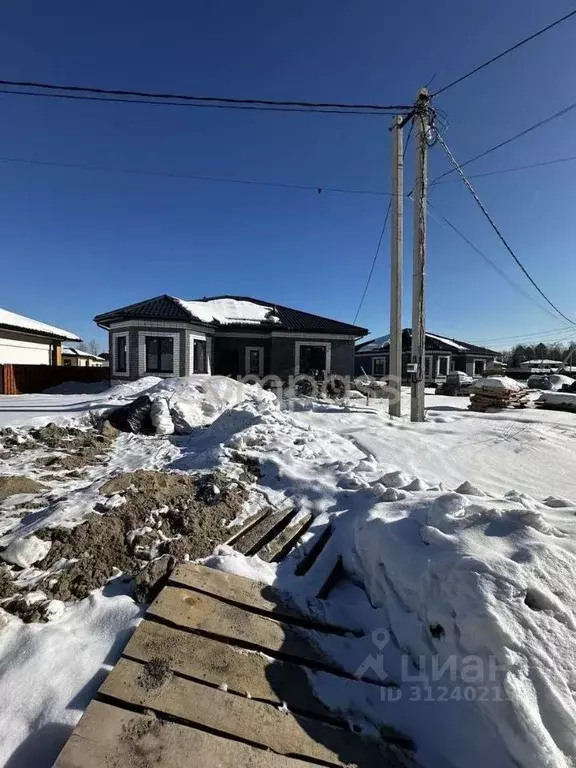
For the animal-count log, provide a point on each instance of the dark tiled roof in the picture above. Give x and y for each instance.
(434, 343)
(166, 308)
(297, 320)
(159, 308)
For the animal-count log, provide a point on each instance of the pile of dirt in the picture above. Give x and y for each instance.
(10, 485)
(162, 514)
(73, 447)
(154, 674)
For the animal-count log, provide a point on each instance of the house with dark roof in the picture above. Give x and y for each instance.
(443, 355)
(27, 341)
(226, 335)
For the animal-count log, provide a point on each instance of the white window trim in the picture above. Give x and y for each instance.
(247, 351)
(142, 353)
(326, 344)
(194, 336)
(442, 357)
(383, 360)
(429, 365)
(478, 360)
(115, 372)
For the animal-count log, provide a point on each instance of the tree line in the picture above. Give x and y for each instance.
(540, 351)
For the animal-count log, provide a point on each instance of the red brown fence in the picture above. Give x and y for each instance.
(16, 379)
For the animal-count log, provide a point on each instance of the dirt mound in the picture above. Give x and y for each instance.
(13, 484)
(162, 514)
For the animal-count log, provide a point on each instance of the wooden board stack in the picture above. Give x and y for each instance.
(484, 398)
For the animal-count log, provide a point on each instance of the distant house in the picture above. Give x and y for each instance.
(23, 340)
(228, 335)
(442, 356)
(541, 366)
(77, 358)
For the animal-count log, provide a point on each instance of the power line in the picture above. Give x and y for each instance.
(377, 251)
(505, 53)
(442, 219)
(537, 334)
(232, 102)
(559, 160)
(242, 107)
(526, 131)
(318, 188)
(495, 228)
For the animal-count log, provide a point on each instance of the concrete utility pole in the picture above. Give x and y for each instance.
(394, 384)
(417, 412)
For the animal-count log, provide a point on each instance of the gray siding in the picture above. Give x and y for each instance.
(283, 354)
(227, 347)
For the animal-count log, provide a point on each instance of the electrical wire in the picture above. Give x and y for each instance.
(318, 188)
(559, 160)
(242, 107)
(377, 251)
(505, 53)
(537, 334)
(526, 131)
(497, 231)
(232, 102)
(440, 218)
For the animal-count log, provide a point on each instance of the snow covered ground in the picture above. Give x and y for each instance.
(459, 539)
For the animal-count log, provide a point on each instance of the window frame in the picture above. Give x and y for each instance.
(125, 370)
(160, 339)
(478, 360)
(247, 352)
(443, 357)
(311, 343)
(381, 359)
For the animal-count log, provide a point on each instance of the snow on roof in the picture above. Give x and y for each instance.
(26, 323)
(229, 311)
(541, 362)
(380, 343)
(449, 342)
(74, 351)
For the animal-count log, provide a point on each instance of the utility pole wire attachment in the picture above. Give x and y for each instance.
(495, 228)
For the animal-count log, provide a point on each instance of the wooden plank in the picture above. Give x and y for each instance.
(254, 539)
(109, 736)
(214, 662)
(230, 587)
(197, 611)
(252, 595)
(250, 523)
(279, 547)
(237, 717)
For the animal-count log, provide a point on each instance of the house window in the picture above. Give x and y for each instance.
(443, 363)
(379, 366)
(479, 366)
(428, 367)
(312, 358)
(200, 356)
(159, 354)
(121, 354)
(254, 361)
(67, 361)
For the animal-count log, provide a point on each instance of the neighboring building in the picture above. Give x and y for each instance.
(77, 358)
(227, 335)
(442, 356)
(541, 366)
(23, 340)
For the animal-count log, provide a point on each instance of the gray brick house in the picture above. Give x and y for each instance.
(443, 355)
(227, 335)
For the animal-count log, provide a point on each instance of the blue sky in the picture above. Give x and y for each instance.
(76, 243)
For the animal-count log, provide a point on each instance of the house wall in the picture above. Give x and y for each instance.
(283, 354)
(225, 346)
(24, 348)
(455, 363)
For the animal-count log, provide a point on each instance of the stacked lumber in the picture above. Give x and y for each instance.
(457, 384)
(497, 392)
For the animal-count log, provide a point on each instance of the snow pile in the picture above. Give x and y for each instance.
(195, 401)
(562, 400)
(479, 596)
(553, 381)
(497, 382)
(25, 552)
(230, 311)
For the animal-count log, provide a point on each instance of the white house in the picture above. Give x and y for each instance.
(78, 358)
(23, 340)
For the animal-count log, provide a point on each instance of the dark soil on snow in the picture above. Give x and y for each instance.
(154, 674)
(191, 522)
(13, 484)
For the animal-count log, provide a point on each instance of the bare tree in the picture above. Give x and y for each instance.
(92, 347)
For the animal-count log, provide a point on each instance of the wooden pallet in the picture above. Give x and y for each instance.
(218, 675)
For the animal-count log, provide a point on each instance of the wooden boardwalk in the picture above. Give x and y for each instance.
(217, 676)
